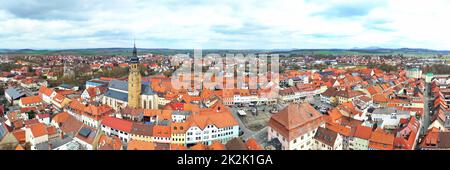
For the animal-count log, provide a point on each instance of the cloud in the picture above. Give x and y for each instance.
(51, 9)
(229, 24)
(347, 9)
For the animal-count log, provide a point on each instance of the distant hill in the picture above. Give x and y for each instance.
(287, 52)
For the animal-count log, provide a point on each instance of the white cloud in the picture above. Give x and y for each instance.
(227, 24)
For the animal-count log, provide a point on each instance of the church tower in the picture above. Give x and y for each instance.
(134, 81)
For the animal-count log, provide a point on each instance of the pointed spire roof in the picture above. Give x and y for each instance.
(134, 49)
(134, 58)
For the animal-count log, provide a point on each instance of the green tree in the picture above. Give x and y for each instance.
(31, 114)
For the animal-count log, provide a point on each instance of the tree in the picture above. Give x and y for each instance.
(31, 114)
(168, 73)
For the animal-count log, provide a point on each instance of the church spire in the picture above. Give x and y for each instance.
(134, 49)
(134, 58)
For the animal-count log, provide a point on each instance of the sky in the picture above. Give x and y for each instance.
(230, 24)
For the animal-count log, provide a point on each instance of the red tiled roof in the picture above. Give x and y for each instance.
(198, 146)
(363, 132)
(219, 119)
(60, 117)
(46, 91)
(31, 121)
(38, 129)
(253, 145)
(119, 124)
(161, 131)
(177, 147)
(216, 145)
(295, 120)
(109, 143)
(140, 145)
(44, 115)
(381, 140)
(30, 100)
(20, 135)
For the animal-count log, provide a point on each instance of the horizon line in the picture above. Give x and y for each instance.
(243, 49)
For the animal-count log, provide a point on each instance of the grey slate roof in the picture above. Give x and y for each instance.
(118, 84)
(117, 95)
(52, 144)
(66, 86)
(3, 130)
(123, 85)
(181, 112)
(146, 88)
(389, 110)
(15, 93)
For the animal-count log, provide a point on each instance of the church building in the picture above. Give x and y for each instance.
(134, 94)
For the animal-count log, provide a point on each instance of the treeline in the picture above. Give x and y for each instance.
(437, 69)
(385, 67)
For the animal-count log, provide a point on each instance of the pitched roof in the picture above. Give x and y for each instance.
(340, 129)
(30, 100)
(198, 146)
(43, 115)
(140, 145)
(236, 144)
(252, 144)
(51, 130)
(98, 110)
(331, 92)
(379, 98)
(374, 90)
(142, 129)
(87, 134)
(216, 145)
(71, 125)
(20, 135)
(363, 132)
(161, 131)
(431, 138)
(295, 120)
(326, 136)
(119, 124)
(381, 140)
(38, 130)
(132, 111)
(109, 143)
(219, 119)
(335, 114)
(117, 95)
(349, 93)
(14, 93)
(19, 147)
(61, 117)
(177, 147)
